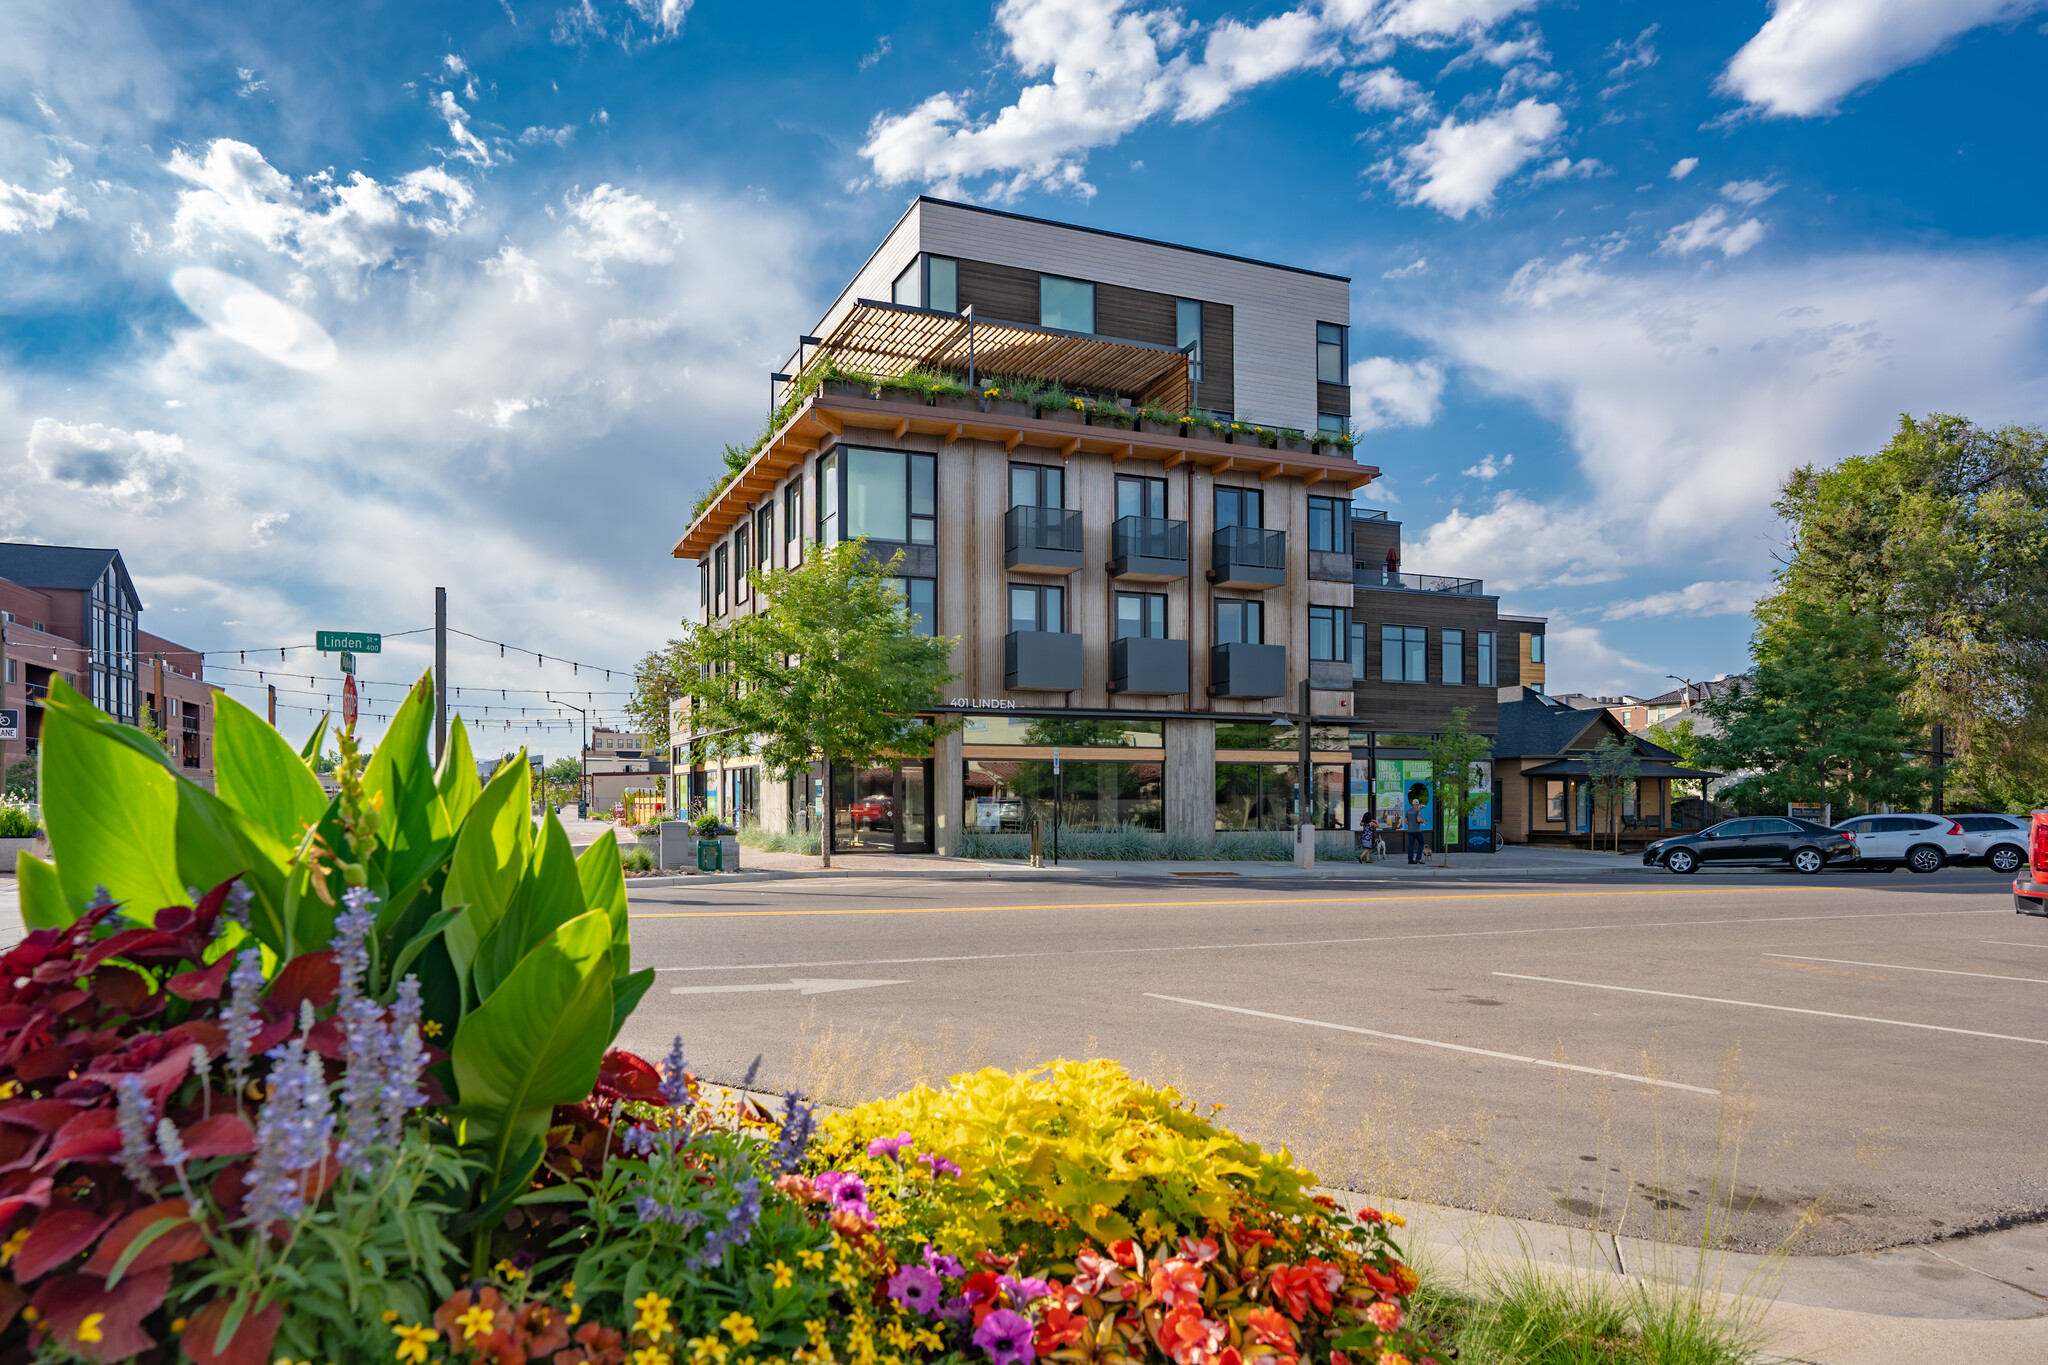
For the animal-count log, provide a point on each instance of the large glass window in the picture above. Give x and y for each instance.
(720, 565)
(920, 602)
(764, 536)
(1358, 651)
(1486, 666)
(1262, 796)
(1240, 622)
(1187, 331)
(1535, 649)
(1404, 654)
(906, 290)
(1036, 485)
(889, 496)
(1329, 632)
(1137, 496)
(943, 278)
(1453, 648)
(1240, 507)
(1038, 606)
(742, 543)
(1141, 615)
(1044, 731)
(1332, 424)
(793, 521)
(828, 500)
(1329, 523)
(1066, 304)
(1009, 795)
(704, 584)
(1330, 358)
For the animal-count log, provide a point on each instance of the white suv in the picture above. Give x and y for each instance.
(1925, 843)
(2000, 840)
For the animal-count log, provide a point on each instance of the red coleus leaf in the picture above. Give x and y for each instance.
(127, 943)
(65, 1304)
(61, 1233)
(45, 1116)
(623, 1075)
(309, 976)
(228, 1187)
(88, 1137)
(203, 983)
(19, 1190)
(12, 1301)
(221, 1135)
(182, 1242)
(19, 1147)
(121, 990)
(208, 909)
(45, 1063)
(250, 1345)
(204, 1032)
(327, 1038)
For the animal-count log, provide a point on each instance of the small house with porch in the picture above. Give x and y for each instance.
(1547, 794)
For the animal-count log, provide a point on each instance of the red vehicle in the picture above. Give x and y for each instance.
(2030, 888)
(872, 812)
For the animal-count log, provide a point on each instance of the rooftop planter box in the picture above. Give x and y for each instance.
(903, 393)
(1201, 431)
(1114, 418)
(846, 388)
(1061, 412)
(1041, 661)
(1244, 437)
(1147, 667)
(1152, 428)
(1293, 442)
(957, 402)
(1005, 407)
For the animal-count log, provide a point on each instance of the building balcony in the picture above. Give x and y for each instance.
(1148, 550)
(1248, 557)
(1248, 670)
(1148, 667)
(1374, 576)
(1041, 661)
(1042, 540)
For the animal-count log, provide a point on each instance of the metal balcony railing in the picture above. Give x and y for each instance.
(1148, 538)
(1251, 547)
(1375, 576)
(1042, 528)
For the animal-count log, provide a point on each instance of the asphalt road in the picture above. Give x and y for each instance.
(1733, 1054)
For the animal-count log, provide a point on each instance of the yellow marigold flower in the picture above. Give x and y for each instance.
(390, 1315)
(813, 1260)
(708, 1350)
(475, 1322)
(413, 1342)
(12, 1246)
(509, 1271)
(569, 1289)
(653, 1318)
(784, 1276)
(740, 1328)
(575, 1313)
(650, 1355)
(89, 1330)
(1397, 1220)
(815, 1329)
(432, 1028)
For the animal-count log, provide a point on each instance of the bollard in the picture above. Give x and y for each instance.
(1038, 843)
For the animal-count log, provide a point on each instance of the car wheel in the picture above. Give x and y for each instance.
(1808, 861)
(1925, 858)
(1681, 861)
(2005, 859)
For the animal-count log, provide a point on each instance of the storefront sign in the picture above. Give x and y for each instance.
(984, 703)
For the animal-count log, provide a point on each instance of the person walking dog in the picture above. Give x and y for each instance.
(1412, 822)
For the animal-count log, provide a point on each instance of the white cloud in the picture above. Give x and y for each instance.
(249, 84)
(1633, 56)
(22, 208)
(1517, 543)
(468, 145)
(1395, 393)
(1418, 266)
(1239, 56)
(1421, 18)
(1811, 53)
(134, 470)
(1749, 193)
(559, 136)
(1457, 167)
(1712, 231)
(1684, 167)
(881, 50)
(1564, 168)
(619, 226)
(1695, 599)
(1384, 88)
(658, 21)
(1488, 468)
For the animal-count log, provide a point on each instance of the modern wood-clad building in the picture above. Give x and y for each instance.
(1139, 582)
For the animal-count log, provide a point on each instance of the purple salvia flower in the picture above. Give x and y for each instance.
(242, 1017)
(404, 1061)
(366, 1048)
(799, 1121)
(351, 942)
(675, 1081)
(171, 1144)
(738, 1228)
(292, 1134)
(101, 899)
(131, 1116)
(307, 1016)
(236, 907)
(639, 1140)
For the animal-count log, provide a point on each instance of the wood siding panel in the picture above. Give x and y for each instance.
(1333, 398)
(1426, 707)
(1002, 292)
(1218, 390)
(1134, 314)
(1370, 541)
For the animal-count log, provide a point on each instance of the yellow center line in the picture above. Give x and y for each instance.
(1264, 900)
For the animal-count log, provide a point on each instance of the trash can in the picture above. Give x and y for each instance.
(710, 857)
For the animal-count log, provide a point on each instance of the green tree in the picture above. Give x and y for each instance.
(1455, 754)
(657, 681)
(1821, 719)
(21, 780)
(1613, 764)
(831, 670)
(1683, 737)
(1940, 539)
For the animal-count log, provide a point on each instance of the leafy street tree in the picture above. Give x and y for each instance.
(1454, 757)
(1613, 764)
(657, 681)
(1939, 541)
(830, 671)
(1821, 718)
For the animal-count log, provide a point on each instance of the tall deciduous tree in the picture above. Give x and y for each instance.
(657, 681)
(831, 671)
(1613, 764)
(1454, 757)
(1940, 540)
(1821, 718)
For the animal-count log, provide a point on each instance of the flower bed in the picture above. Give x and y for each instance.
(357, 1102)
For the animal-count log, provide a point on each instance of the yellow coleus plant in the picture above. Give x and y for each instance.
(1055, 1157)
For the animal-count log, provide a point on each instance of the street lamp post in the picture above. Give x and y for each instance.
(582, 755)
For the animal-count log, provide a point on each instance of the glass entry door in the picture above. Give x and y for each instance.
(882, 809)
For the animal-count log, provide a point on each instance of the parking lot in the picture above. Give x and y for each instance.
(1663, 1055)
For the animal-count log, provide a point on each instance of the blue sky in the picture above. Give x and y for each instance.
(309, 309)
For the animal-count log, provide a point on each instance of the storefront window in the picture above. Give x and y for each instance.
(1279, 735)
(1078, 733)
(1261, 796)
(1010, 794)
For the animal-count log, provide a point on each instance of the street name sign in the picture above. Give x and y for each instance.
(10, 724)
(355, 641)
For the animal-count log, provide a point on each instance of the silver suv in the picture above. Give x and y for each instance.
(2000, 840)
(1925, 843)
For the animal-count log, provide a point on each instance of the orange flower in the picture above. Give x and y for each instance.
(1393, 1358)
(1188, 1337)
(1060, 1328)
(1270, 1328)
(1124, 1253)
(1177, 1281)
(1406, 1278)
(1096, 1276)
(1252, 1237)
(1385, 1316)
(1290, 1288)
(1370, 1216)
(1199, 1251)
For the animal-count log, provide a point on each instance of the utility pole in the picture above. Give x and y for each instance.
(1304, 819)
(273, 705)
(440, 672)
(582, 754)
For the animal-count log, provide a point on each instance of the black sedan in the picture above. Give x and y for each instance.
(1755, 841)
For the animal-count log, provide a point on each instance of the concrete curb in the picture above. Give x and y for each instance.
(1113, 871)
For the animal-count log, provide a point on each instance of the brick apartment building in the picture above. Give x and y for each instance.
(73, 612)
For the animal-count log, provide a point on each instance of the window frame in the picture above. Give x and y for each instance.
(1146, 484)
(1360, 633)
(1554, 800)
(920, 599)
(827, 482)
(1039, 472)
(1336, 346)
(1152, 610)
(1337, 626)
(1045, 278)
(764, 536)
(718, 571)
(1251, 609)
(1536, 648)
(742, 548)
(1398, 649)
(1181, 338)
(1487, 665)
(1338, 510)
(914, 275)
(1332, 424)
(793, 522)
(912, 462)
(931, 291)
(1041, 593)
(1256, 496)
(1451, 638)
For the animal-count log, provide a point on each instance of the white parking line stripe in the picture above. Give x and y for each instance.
(1308, 942)
(1430, 1042)
(1787, 1009)
(2003, 944)
(1895, 967)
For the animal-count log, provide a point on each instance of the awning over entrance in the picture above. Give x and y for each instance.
(1576, 767)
